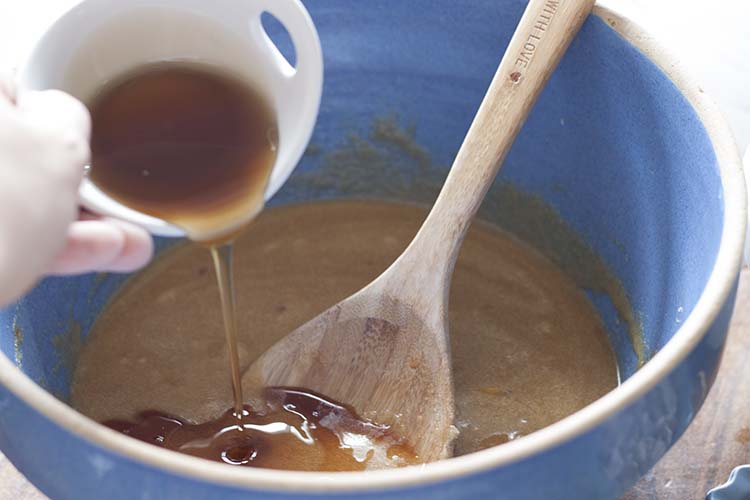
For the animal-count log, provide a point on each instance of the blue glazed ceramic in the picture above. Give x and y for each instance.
(737, 486)
(621, 144)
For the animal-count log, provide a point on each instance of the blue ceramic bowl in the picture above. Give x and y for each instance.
(624, 147)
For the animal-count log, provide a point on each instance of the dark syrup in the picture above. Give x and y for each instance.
(296, 429)
(184, 143)
(192, 146)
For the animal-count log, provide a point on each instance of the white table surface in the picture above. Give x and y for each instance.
(713, 42)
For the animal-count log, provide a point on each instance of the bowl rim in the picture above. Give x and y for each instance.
(693, 329)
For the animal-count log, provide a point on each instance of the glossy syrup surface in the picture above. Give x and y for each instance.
(295, 430)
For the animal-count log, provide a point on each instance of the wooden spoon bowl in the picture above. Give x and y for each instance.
(385, 349)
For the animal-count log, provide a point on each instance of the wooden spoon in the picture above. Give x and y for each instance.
(385, 349)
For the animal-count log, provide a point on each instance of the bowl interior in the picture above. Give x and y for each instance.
(612, 152)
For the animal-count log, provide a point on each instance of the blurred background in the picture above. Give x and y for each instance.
(711, 37)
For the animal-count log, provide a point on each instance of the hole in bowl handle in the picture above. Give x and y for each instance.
(293, 16)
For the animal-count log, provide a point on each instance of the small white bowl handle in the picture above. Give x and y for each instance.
(303, 85)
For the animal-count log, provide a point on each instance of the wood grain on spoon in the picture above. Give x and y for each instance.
(385, 349)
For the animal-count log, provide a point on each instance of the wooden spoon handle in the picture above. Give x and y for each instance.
(542, 36)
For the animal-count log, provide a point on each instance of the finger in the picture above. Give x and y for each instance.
(137, 250)
(90, 246)
(104, 245)
(55, 110)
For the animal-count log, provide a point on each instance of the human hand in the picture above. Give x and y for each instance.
(43, 149)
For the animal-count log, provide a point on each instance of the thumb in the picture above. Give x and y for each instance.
(55, 111)
(62, 126)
